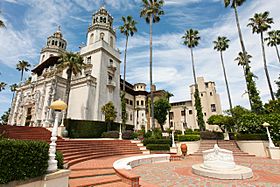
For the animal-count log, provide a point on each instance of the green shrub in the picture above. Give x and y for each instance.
(156, 141)
(156, 134)
(251, 137)
(59, 158)
(207, 135)
(189, 137)
(110, 134)
(158, 147)
(20, 160)
(89, 129)
(252, 124)
(129, 135)
(190, 131)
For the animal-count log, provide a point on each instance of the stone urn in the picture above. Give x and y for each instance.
(64, 133)
(184, 149)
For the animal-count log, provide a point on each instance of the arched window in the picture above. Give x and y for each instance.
(56, 43)
(111, 41)
(52, 42)
(91, 39)
(102, 36)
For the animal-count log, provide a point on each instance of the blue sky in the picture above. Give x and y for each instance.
(30, 22)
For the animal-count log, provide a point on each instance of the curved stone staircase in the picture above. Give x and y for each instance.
(79, 152)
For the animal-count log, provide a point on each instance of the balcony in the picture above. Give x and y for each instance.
(111, 84)
(112, 66)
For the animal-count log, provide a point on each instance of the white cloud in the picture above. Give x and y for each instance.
(172, 65)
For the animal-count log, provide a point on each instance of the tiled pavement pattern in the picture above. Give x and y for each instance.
(179, 174)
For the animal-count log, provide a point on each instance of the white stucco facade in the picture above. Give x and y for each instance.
(98, 84)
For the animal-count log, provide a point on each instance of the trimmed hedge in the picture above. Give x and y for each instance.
(21, 160)
(110, 134)
(60, 159)
(158, 147)
(129, 135)
(251, 137)
(207, 135)
(156, 141)
(89, 129)
(189, 137)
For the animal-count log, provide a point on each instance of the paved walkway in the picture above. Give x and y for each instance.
(179, 174)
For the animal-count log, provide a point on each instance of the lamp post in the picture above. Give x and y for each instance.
(182, 126)
(120, 131)
(57, 106)
(266, 125)
(173, 142)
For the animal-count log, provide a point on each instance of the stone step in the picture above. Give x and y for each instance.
(146, 152)
(135, 141)
(98, 155)
(143, 148)
(93, 181)
(115, 184)
(91, 173)
(86, 157)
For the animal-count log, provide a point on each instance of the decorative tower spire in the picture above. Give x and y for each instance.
(103, 4)
(56, 45)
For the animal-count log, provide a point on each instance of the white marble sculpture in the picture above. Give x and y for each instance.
(218, 158)
(219, 163)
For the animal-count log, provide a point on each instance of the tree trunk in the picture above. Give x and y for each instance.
(193, 68)
(21, 75)
(124, 64)
(277, 53)
(151, 72)
(243, 50)
(265, 69)
(67, 90)
(226, 81)
(198, 106)
(161, 127)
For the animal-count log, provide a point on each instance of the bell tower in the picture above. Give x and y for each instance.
(101, 55)
(56, 46)
(101, 28)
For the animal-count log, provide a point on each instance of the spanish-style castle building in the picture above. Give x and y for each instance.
(98, 84)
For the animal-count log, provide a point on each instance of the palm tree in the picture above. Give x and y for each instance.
(261, 23)
(191, 39)
(74, 64)
(274, 40)
(23, 66)
(2, 23)
(2, 86)
(253, 93)
(234, 4)
(128, 29)
(13, 88)
(221, 44)
(151, 11)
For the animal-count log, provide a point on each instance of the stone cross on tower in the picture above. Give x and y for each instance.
(103, 3)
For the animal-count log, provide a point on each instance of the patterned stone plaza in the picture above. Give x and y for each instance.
(178, 173)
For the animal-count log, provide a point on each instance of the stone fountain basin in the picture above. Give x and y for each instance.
(238, 172)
